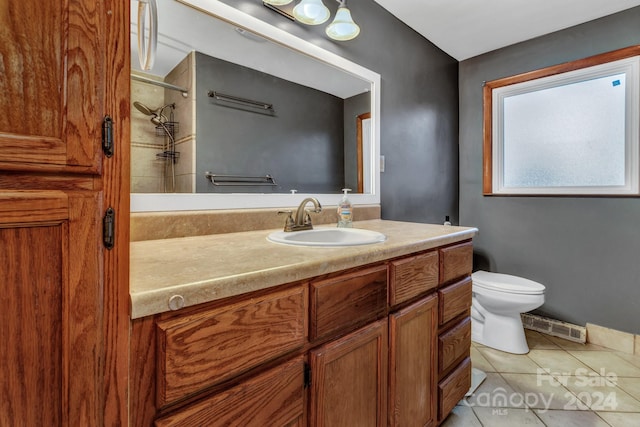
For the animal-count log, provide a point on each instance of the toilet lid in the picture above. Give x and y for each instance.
(506, 283)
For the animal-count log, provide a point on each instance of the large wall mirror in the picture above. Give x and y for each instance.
(236, 113)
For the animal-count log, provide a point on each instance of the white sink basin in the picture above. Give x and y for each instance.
(328, 237)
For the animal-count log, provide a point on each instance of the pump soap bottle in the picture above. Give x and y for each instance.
(345, 210)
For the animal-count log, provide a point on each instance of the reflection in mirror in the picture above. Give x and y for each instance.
(229, 110)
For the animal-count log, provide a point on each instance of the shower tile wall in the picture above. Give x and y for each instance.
(146, 170)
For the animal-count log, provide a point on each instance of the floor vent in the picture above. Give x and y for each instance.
(555, 327)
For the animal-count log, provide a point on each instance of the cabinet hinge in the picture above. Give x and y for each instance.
(108, 228)
(107, 136)
(307, 375)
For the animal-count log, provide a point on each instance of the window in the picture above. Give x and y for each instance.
(571, 129)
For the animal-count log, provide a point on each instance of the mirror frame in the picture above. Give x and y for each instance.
(147, 202)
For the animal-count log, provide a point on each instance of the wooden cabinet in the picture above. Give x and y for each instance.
(456, 261)
(64, 322)
(52, 84)
(209, 347)
(349, 379)
(412, 276)
(236, 360)
(272, 398)
(455, 300)
(370, 361)
(454, 333)
(453, 387)
(412, 364)
(346, 301)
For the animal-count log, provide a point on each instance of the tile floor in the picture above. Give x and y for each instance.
(558, 383)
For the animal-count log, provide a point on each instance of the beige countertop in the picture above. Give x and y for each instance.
(194, 270)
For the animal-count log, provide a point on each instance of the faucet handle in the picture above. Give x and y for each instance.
(307, 217)
(289, 223)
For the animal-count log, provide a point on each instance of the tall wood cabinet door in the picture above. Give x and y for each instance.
(413, 334)
(51, 60)
(349, 379)
(50, 296)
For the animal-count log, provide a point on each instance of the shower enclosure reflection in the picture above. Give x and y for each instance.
(166, 128)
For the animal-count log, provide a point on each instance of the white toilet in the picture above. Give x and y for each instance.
(498, 300)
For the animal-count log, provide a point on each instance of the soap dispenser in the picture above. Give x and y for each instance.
(345, 210)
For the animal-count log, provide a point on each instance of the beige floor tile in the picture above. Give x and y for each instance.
(607, 362)
(539, 391)
(507, 362)
(559, 363)
(461, 416)
(617, 419)
(570, 418)
(538, 341)
(570, 345)
(495, 392)
(480, 362)
(633, 359)
(507, 417)
(630, 385)
(600, 395)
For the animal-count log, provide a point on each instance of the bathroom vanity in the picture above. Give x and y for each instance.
(231, 329)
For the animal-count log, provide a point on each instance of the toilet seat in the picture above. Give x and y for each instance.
(506, 283)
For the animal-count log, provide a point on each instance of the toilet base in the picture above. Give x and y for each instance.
(504, 333)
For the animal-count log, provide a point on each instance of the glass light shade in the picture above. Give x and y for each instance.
(277, 2)
(311, 12)
(343, 28)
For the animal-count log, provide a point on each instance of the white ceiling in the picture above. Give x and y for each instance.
(466, 28)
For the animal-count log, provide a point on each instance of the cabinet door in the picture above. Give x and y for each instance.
(412, 364)
(50, 297)
(349, 379)
(51, 84)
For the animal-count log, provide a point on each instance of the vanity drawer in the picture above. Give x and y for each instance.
(454, 300)
(454, 387)
(342, 303)
(412, 276)
(454, 344)
(456, 262)
(197, 351)
(275, 397)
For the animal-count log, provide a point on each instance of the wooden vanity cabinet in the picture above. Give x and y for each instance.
(387, 344)
(349, 379)
(235, 362)
(454, 326)
(413, 376)
(271, 398)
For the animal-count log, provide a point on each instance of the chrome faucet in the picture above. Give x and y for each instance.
(302, 218)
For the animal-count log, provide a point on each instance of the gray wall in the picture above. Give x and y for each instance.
(585, 250)
(230, 139)
(419, 123)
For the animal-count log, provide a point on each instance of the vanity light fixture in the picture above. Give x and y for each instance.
(343, 28)
(314, 12)
(311, 12)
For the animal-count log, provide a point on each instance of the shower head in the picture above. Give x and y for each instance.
(144, 109)
(156, 115)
